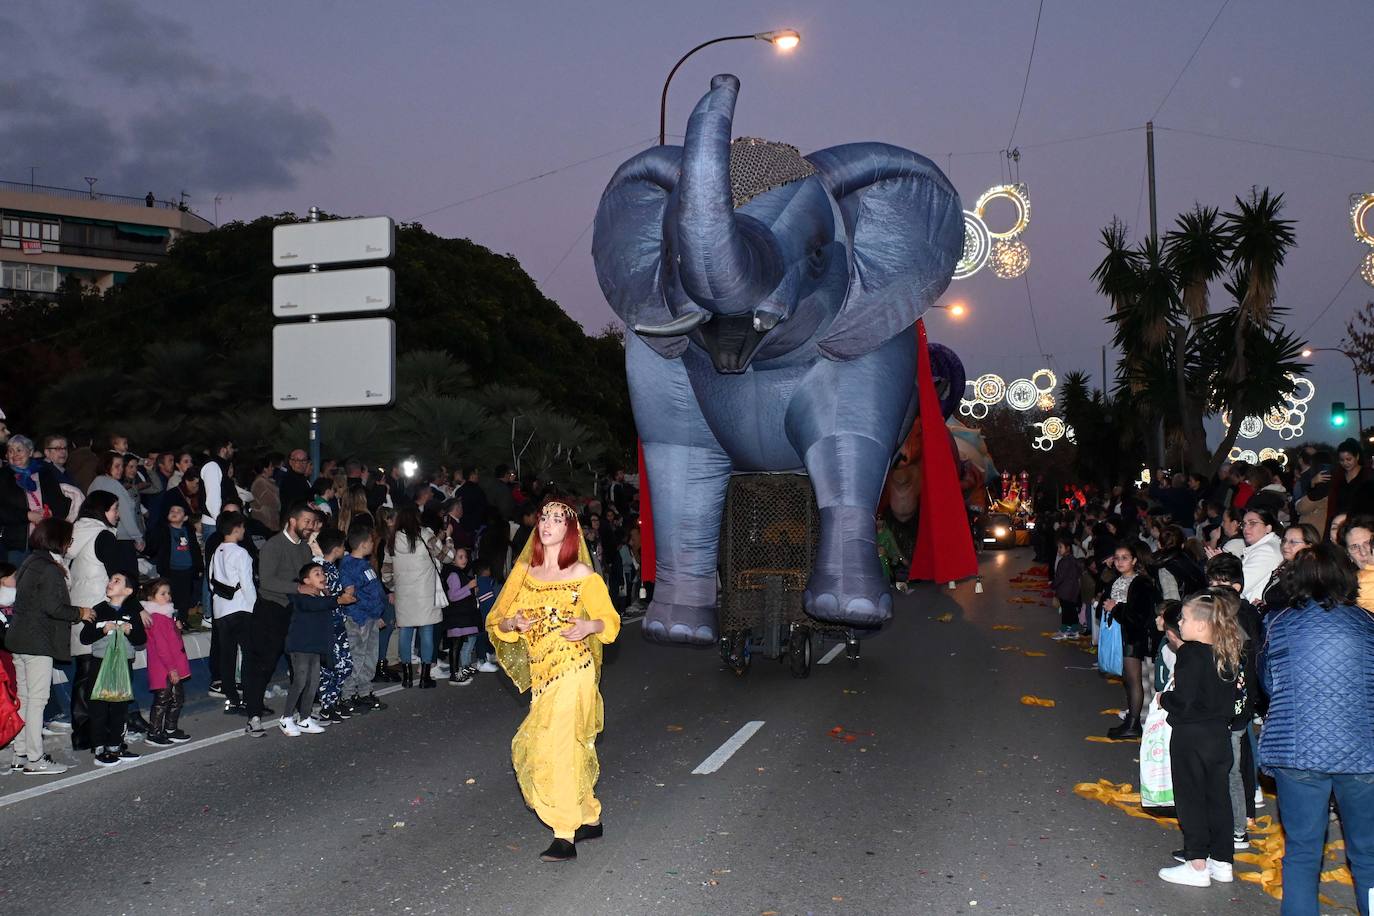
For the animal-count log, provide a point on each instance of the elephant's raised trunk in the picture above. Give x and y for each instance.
(728, 261)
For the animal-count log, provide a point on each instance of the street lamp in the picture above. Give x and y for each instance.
(1354, 364)
(782, 39)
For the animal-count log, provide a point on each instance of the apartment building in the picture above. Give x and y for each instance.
(49, 234)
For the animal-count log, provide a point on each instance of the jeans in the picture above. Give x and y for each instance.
(1303, 799)
(362, 639)
(406, 637)
(384, 634)
(34, 676)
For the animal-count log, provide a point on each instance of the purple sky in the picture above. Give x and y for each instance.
(405, 107)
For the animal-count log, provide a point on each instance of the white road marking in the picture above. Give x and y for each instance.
(632, 620)
(727, 750)
(833, 654)
(149, 756)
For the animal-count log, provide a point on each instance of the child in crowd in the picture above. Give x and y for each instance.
(176, 553)
(889, 554)
(487, 590)
(1166, 622)
(233, 594)
(461, 620)
(1200, 707)
(1227, 571)
(1067, 585)
(107, 719)
(309, 642)
(9, 584)
(330, 543)
(168, 666)
(362, 618)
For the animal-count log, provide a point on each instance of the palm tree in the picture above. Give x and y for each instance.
(1260, 242)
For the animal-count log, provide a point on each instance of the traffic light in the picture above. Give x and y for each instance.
(1338, 413)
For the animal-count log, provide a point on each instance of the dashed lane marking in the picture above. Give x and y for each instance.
(833, 654)
(727, 750)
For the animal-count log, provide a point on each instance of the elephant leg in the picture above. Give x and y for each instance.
(688, 474)
(845, 422)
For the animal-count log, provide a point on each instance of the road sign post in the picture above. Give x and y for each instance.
(302, 375)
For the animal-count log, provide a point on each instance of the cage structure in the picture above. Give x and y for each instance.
(769, 536)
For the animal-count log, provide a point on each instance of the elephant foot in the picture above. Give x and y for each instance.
(680, 624)
(848, 600)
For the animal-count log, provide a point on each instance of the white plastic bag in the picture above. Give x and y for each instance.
(1156, 773)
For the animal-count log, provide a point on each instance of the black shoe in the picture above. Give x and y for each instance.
(234, 709)
(1128, 729)
(381, 676)
(426, 680)
(159, 740)
(372, 701)
(588, 832)
(106, 759)
(126, 754)
(559, 851)
(178, 737)
(407, 676)
(216, 689)
(356, 706)
(136, 723)
(332, 715)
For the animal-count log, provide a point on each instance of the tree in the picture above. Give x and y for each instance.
(1359, 337)
(1175, 362)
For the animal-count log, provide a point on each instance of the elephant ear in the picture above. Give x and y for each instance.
(906, 226)
(627, 242)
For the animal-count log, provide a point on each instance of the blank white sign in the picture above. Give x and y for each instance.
(334, 292)
(348, 363)
(334, 241)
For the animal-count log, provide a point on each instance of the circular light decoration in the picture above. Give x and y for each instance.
(1019, 198)
(1301, 382)
(1366, 269)
(978, 410)
(1249, 455)
(1251, 427)
(1277, 418)
(1021, 394)
(1044, 375)
(977, 246)
(990, 388)
(1234, 454)
(1045, 402)
(1070, 435)
(1053, 428)
(1009, 259)
(1361, 205)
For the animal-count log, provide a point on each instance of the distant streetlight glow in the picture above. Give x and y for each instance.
(783, 39)
(958, 310)
(1307, 353)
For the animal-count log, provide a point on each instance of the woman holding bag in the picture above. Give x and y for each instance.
(39, 634)
(1131, 603)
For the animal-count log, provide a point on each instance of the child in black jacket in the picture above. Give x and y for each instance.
(106, 718)
(1200, 708)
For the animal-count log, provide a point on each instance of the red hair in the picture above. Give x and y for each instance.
(567, 551)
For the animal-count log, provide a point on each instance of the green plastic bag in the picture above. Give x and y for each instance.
(112, 682)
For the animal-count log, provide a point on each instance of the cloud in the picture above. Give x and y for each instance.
(177, 122)
(140, 48)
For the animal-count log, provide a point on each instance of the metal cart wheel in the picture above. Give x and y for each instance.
(799, 652)
(737, 652)
(851, 651)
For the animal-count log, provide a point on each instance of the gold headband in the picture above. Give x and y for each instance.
(556, 506)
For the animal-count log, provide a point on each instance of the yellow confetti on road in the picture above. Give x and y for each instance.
(1028, 653)
(946, 617)
(1103, 739)
(1029, 700)
(1007, 627)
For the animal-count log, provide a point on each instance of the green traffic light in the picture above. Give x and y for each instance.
(1338, 413)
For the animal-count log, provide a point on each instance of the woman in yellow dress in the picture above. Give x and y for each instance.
(548, 626)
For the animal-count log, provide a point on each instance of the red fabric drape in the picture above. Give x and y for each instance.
(944, 542)
(647, 565)
(10, 721)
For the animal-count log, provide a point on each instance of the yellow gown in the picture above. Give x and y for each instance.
(554, 750)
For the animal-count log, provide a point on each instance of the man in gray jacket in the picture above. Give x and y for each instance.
(279, 563)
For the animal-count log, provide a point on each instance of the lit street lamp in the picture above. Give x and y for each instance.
(782, 39)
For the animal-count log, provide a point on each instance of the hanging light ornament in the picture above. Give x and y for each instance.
(1045, 402)
(1009, 259)
(982, 243)
(977, 246)
(1021, 394)
(1361, 205)
(990, 388)
(1367, 269)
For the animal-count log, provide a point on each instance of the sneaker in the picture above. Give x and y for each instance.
(373, 701)
(288, 727)
(106, 759)
(160, 740)
(462, 678)
(1259, 797)
(309, 726)
(17, 764)
(254, 728)
(1239, 841)
(58, 725)
(440, 669)
(333, 715)
(1184, 873)
(178, 737)
(358, 706)
(1220, 871)
(45, 766)
(216, 689)
(234, 709)
(126, 754)
(487, 666)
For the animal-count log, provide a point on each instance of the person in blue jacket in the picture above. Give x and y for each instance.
(362, 618)
(1318, 737)
(310, 643)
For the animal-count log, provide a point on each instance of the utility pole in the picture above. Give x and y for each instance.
(1104, 372)
(314, 411)
(1154, 238)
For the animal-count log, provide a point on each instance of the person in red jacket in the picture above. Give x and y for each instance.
(168, 666)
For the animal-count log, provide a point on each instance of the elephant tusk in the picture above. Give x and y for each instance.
(683, 324)
(765, 321)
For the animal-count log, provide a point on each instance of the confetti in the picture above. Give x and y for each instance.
(398, 824)
(469, 781)
(1028, 653)
(1007, 627)
(1029, 700)
(946, 617)
(674, 728)
(1103, 739)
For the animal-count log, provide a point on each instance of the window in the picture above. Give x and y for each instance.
(15, 231)
(36, 278)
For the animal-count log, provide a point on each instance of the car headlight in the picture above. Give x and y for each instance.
(1000, 531)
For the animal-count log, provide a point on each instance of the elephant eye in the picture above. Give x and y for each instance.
(816, 259)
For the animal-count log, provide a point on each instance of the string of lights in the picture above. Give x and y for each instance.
(1035, 37)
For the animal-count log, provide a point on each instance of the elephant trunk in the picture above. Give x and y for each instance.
(727, 261)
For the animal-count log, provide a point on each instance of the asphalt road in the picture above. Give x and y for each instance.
(940, 793)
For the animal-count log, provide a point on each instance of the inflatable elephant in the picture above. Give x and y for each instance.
(771, 298)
